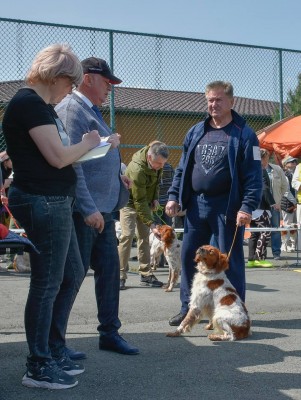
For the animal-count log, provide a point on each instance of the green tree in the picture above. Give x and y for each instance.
(294, 99)
(293, 103)
(276, 115)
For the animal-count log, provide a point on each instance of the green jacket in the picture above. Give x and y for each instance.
(145, 185)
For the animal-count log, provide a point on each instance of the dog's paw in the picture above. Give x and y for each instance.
(217, 338)
(173, 334)
(209, 327)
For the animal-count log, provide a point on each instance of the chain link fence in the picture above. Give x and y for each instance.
(164, 78)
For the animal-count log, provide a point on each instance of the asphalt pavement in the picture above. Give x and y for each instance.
(264, 366)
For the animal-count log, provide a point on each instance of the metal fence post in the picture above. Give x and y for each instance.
(112, 103)
(280, 86)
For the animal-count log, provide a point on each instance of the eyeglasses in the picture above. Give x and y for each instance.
(107, 82)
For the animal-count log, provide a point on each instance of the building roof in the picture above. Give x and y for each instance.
(147, 100)
(8, 89)
(176, 101)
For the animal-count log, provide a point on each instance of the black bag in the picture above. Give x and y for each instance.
(288, 203)
(123, 198)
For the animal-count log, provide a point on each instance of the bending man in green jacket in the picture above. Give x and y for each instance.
(145, 171)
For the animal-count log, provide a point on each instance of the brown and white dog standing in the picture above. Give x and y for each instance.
(170, 246)
(213, 296)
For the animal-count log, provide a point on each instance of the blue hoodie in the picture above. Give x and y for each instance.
(246, 172)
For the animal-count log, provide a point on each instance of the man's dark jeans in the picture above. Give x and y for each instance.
(99, 251)
(204, 223)
(276, 236)
(56, 272)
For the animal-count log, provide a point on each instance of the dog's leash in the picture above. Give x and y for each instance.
(159, 213)
(229, 254)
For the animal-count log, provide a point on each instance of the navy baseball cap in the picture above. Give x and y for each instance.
(93, 65)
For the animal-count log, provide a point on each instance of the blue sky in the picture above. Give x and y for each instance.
(272, 23)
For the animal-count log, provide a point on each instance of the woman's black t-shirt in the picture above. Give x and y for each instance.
(32, 173)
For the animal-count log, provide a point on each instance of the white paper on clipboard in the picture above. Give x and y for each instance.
(97, 152)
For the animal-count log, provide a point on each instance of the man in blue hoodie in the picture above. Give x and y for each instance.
(219, 183)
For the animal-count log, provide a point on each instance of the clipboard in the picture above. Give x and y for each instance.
(97, 152)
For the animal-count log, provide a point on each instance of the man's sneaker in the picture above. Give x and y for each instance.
(150, 280)
(122, 284)
(251, 264)
(115, 342)
(259, 264)
(69, 366)
(47, 375)
(264, 263)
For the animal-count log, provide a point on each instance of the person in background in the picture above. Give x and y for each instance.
(279, 186)
(166, 180)
(6, 172)
(288, 239)
(116, 214)
(218, 182)
(41, 199)
(4, 199)
(296, 184)
(6, 169)
(261, 218)
(145, 171)
(289, 165)
(98, 186)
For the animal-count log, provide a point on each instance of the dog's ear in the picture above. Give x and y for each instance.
(223, 261)
(163, 231)
(167, 235)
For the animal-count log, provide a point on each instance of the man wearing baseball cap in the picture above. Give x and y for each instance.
(290, 160)
(289, 164)
(97, 193)
(289, 238)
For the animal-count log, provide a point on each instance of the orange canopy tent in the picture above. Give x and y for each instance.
(283, 138)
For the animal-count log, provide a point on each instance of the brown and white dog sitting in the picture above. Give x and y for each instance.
(213, 296)
(170, 246)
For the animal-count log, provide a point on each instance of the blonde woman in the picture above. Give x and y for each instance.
(41, 198)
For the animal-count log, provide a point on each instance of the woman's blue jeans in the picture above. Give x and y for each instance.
(56, 272)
